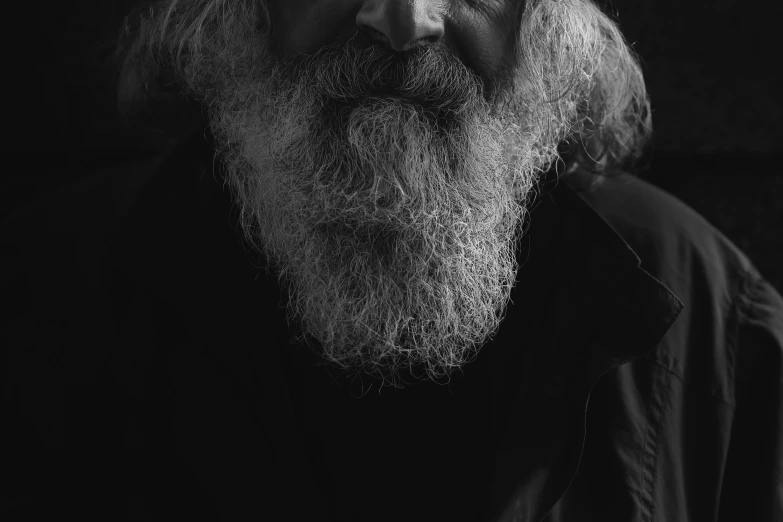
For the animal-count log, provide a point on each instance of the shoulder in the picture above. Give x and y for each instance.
(713, 278)
(714, 380)
(670, 238)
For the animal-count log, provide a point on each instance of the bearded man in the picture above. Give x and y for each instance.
(393, 265)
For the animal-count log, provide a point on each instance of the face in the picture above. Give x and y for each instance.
(479, 33)
(386, 183)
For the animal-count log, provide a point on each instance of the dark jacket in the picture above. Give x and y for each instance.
(149, 373)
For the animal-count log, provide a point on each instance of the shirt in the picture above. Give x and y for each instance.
(151, 373)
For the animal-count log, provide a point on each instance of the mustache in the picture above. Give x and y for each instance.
(355, 67)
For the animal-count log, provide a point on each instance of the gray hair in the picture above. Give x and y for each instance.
(611, 127)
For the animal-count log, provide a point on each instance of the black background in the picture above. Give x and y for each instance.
(710, 66)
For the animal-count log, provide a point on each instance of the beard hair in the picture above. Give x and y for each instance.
(392, 222)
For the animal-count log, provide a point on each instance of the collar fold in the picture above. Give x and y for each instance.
(602, 310)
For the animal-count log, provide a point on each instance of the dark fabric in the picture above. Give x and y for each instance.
(150, 373)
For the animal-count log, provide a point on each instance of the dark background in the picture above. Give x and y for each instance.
(709, 65)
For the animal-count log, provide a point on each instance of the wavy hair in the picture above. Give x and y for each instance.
(611, 128)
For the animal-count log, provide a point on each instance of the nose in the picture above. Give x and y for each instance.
(402, 24)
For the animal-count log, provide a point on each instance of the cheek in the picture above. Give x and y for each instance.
(301, 26)
(485, 40)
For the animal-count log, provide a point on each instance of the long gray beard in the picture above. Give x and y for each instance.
(394, 234)
(394, 226)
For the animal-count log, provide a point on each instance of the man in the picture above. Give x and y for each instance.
(399, 272)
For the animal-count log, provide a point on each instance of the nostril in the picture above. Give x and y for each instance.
(374, 33)
(401, 25)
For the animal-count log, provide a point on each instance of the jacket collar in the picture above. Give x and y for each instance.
(602, 309)
(578, 276)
